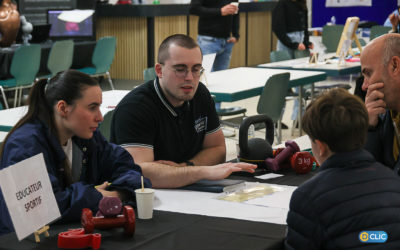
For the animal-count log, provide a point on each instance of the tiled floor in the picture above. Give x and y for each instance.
(250, 104)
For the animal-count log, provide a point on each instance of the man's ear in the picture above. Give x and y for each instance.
(158, 69)
(395, 65)
(62, 108)
(324, 150)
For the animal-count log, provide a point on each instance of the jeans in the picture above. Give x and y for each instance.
(298, 37)
(220, 46)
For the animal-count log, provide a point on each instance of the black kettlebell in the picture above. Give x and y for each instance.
(256, 150)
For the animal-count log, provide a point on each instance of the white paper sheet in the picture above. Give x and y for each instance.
(268, 176)
(75, 16)
(272, 208)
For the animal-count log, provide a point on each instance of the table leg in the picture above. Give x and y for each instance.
(300, 113)
(312, 91)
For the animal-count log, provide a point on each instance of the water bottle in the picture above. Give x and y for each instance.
(251, 132)
(333, 20)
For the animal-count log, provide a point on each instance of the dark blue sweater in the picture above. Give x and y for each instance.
(351, 193)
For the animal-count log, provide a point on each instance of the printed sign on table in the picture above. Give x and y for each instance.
(29, 196)
(347, 3)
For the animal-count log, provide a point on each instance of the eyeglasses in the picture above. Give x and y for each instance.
(182, 72)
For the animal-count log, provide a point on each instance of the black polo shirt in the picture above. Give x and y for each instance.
(145, 118)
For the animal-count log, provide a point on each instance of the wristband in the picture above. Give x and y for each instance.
(189, 163)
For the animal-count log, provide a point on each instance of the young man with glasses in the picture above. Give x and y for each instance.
(170, 125)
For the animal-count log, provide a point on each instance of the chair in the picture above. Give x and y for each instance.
(103, 56)
(331, 36)
(149, 74)
(24, 67)
(60, 56)
(362, 43)
(301, 53)
(105, 125)
(279, 55)
(272, 100)
(378, 30)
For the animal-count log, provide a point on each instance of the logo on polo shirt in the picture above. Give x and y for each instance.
(373, 236)
(200, 124)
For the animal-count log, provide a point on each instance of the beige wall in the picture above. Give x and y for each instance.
(130, 60)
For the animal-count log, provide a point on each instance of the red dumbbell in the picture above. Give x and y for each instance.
(127, 221)
(274, 163)
(76, 238)
(302, 162)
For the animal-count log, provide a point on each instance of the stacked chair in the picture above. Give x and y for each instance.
(24, 67)
(103, 56)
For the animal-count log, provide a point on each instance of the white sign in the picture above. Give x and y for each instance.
(29, 196)
(346, 3)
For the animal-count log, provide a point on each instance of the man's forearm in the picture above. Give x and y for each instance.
(165, 176)
(210, 156)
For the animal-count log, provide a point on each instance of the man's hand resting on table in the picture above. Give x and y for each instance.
(221, 171)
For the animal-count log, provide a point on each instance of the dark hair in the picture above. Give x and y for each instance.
(178, 39)
(338, 119)
(45, 93)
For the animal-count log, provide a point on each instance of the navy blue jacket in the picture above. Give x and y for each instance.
(350, 194)
(380, 142)
(102, 161)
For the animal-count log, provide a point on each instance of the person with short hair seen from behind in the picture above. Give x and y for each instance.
(170, 124)
(351, 193)
(380, 66)
(61, 123)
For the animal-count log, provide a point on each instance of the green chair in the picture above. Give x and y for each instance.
(231, 111)
(149, 74)
(103, 56)
(301, 53)
(60, 56)
(24, 67)
(331, 36)
(272, 100)
(378, 30)
(279, 55)
(362, 43)
(105, 125)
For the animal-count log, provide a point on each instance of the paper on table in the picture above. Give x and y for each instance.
(268, 176)
(75, 16)
(271, 208)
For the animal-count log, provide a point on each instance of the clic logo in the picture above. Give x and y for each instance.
(373, 236)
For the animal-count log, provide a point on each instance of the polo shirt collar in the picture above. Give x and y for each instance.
(164, 100)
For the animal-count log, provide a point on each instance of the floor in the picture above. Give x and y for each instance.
(250, 104)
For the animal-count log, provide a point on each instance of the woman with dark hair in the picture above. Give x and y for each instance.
(61, 123)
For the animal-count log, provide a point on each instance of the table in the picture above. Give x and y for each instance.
(9, 117)
(331, 68)
(239, 83)
(82, 57)
(2, 136)
(171, 230)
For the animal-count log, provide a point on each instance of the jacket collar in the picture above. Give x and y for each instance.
(347, 159)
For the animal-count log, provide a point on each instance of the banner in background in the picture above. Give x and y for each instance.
(347, 3)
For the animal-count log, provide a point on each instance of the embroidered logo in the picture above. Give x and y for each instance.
(200, 124)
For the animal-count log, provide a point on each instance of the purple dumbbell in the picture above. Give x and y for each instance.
(109, 207)
(273, 163)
